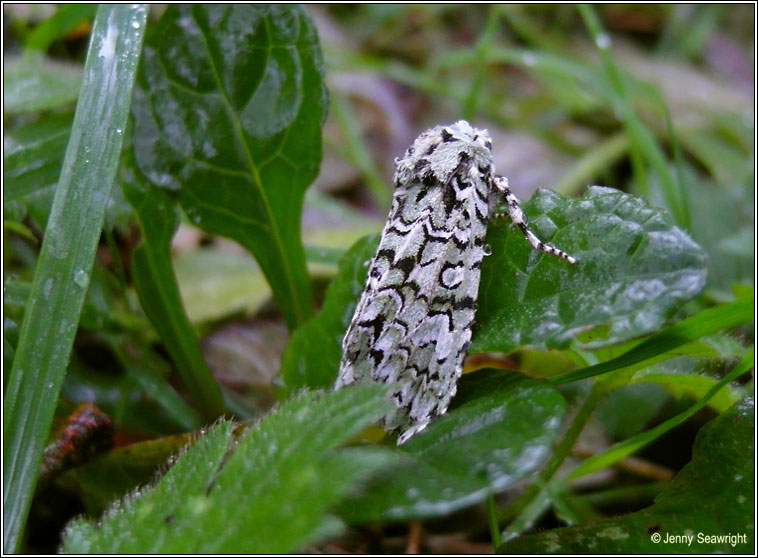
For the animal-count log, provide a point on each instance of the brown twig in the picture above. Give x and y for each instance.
(414, 538)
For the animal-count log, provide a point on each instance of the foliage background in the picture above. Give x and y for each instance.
(666, 114)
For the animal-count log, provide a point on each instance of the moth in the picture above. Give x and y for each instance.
(412, 325)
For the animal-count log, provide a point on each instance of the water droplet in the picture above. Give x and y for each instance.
(135, 24)
(50, 385)
(47, 289)
(119, 131)
(529, 58)
(81, 278)
(487, 250)
(603, 41)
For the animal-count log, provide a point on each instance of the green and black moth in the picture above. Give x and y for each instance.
(412, 325)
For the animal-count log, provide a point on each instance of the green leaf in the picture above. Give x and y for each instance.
(34, 155)
(313, 353)
(269, 494)
(187, 480)
(33, 160)
(35, 83)
(499, 430)
(158, 291)
(712, 496)
(62, 22)
(629, 408)
(635, 269)
(228, 112)
(65, 262)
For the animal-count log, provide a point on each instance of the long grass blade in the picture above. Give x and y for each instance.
(65, 262)
(707, 322)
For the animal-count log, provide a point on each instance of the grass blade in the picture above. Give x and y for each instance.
(482, 47)
(644, 145)
(356, 151)
(627, 447)
(67, 254)
(691, 329)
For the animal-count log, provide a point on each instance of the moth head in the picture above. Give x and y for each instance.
(478, 138)
(438, 153)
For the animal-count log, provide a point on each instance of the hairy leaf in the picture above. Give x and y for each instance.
(266, 493)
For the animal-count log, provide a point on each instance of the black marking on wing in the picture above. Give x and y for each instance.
(377, 355)
(376, 323)
(449, 198)
(445, 267)
(405, 265)
(446, 312)
(386, 253)
(465, 303)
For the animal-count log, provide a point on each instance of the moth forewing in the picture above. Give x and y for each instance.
(412, 325)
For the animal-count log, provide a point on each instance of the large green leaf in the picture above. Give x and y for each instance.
(228, 111)
(712, 496)
(500, 429)
(267, 493)
(635, 269)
